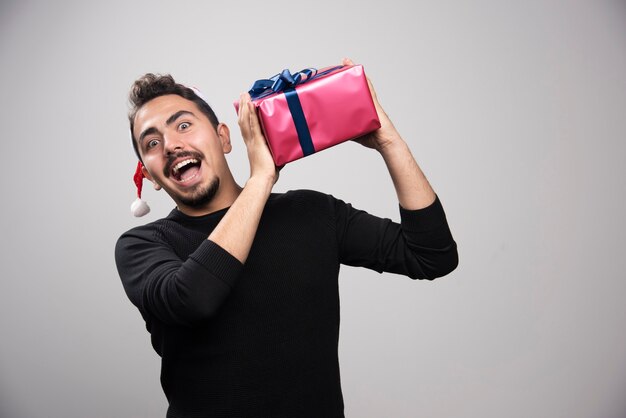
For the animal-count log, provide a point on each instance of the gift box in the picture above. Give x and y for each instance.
(312, 110)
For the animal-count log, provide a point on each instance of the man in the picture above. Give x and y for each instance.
(238, 285)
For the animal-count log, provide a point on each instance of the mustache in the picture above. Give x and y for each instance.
(167, 169)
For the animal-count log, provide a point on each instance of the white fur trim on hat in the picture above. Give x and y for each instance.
(139, 207)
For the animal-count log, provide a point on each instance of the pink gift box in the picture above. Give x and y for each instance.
(320, 112)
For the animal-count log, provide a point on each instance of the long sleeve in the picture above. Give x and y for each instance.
(174, 289)
(270, 341)
(420, 247)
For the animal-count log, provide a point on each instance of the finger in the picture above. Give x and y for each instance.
(249, 117)
(244, 114)
(372, 91)
(241, 109)
(347, 61)
(255, 125)
(244, 123)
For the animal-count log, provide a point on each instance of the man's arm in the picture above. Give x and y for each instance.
(235, 232)
(412, 187)
(422, 246)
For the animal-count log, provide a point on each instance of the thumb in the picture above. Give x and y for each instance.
(347, 61)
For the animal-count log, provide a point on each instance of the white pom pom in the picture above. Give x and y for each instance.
(139, 207)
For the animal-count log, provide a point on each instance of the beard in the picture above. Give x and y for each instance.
(200, 195)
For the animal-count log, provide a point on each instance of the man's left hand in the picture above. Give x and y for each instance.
(387, 133)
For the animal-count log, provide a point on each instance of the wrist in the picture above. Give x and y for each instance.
(392, 144)
(261, 182)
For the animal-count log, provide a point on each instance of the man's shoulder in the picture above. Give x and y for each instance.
(303, 197)
(150, 229)
(304, 194)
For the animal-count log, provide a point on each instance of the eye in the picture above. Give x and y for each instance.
(152, 143)
(184, 125)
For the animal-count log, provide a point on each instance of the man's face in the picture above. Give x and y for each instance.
(181, 151)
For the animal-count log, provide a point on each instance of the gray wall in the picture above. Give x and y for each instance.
(516, 111)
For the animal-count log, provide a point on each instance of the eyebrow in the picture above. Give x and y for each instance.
(147, 132)
(169, 121)
(176, 115)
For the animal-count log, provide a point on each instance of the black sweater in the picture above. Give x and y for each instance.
(260, 339)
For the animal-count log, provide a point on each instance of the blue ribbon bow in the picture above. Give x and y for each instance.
(285, 80)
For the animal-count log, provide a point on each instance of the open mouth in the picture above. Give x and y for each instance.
(186, 170)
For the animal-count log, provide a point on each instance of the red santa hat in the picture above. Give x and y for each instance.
(139, 207)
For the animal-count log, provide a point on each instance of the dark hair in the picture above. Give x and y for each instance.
(151, 86)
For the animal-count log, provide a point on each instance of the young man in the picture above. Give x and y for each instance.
(239, 286)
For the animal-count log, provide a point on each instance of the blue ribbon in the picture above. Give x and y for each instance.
(286, 82)
(302, 127)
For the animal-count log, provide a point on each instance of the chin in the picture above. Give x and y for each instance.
(201, 195)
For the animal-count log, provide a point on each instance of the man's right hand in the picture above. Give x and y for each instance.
(261, 162)
(235, 232)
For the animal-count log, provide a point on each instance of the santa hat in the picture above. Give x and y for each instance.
(139, 207)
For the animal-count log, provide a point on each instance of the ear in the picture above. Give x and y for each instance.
(223, 133)
(149, 177)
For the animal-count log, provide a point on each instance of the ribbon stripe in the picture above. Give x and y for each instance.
(302, 127)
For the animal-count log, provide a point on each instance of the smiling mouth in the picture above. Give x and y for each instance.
(186, 170)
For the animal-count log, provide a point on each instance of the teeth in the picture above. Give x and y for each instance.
(182, 164)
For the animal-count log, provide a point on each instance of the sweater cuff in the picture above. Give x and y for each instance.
(425, 219)
(218, 262)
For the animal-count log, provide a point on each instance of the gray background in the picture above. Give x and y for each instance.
(515, 110)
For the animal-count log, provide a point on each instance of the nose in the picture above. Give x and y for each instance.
(172, 144)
